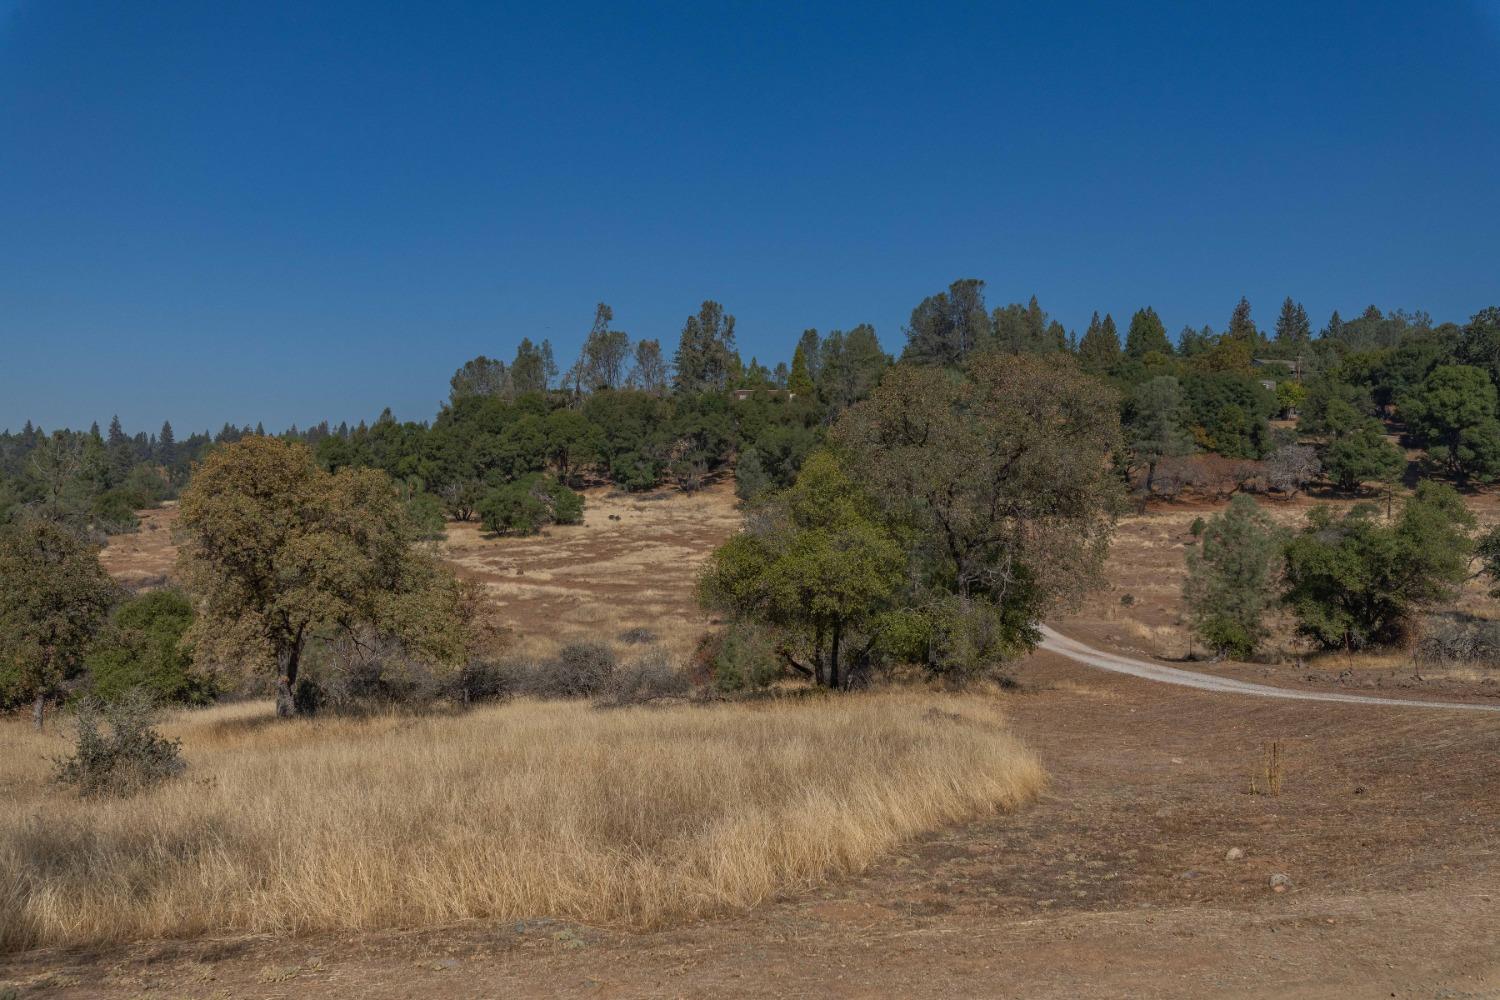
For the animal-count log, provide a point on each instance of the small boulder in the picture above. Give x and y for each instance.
(1233, 854)
(1280, 882)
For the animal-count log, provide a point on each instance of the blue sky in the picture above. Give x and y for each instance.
(286, 212)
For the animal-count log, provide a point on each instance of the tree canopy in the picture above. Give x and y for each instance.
(277, 552)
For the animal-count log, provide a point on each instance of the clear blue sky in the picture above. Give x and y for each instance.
(291, 211)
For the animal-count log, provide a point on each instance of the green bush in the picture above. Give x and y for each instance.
(1360, 579)
(142, 648)
(523, 506)
(114, 512)
(745, 660)
(116, 750)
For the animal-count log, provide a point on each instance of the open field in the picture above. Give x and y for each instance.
(628, 816)
(633, 562)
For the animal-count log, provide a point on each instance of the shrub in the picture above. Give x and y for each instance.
(366, 674)
(567, 506)
(1469, 642)
(114, 512)
(123, 755)
(580, 670)
(426, 514)
(648, 679)
(1291, 467)
(1359, 579)
(484, 680)
(744, 659)
(525, 505)
(638, 636)
(142, 648)
(1230, 578)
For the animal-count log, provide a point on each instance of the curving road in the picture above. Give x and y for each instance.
(1055, 642)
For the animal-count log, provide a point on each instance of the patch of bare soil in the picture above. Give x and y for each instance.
(1118, 883)
(146, 558)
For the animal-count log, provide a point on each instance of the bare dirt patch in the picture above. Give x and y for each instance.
(145, 558)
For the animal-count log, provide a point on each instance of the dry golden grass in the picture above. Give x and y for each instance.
(632, 817)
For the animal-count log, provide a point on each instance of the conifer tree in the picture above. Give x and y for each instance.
(1242, 327)
(1100, 347)
(706, 358)
(1147, 335)
(1292, 327)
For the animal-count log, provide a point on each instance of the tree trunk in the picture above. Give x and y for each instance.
(287, 661)
(1150, 477)
(39, 709)
(833, 660)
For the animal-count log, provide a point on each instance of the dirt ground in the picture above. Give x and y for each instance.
(1117, 883)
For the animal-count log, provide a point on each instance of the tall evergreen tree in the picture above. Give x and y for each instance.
(549, 365)
(800, 380)
(1100, 347)
(706, 357)
(479, 376)
(1156, 426)
(1147, 335)
(851, 367)
(947, 327)
(1242, 327)
(120, 452)
(166, 445)
(601, 363)
(1292, 327)
(649, 373)
(528, 372)
(1335, 328)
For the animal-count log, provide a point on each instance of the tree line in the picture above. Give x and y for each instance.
(928, 508)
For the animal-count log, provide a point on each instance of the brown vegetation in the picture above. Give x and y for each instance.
(631, 816)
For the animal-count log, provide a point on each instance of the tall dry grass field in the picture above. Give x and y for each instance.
(631, 816)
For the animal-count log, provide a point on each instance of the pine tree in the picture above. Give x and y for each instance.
(601, 363)
(121, 454)
(706, 358)
(1292, 327)
(166, 445)
(945, 328)
(1335, 328)
(1100, 347)
(527, 371)
(1147, 335)
(1242, 327)
(549, 366)
(800, 381)
(649, 373)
